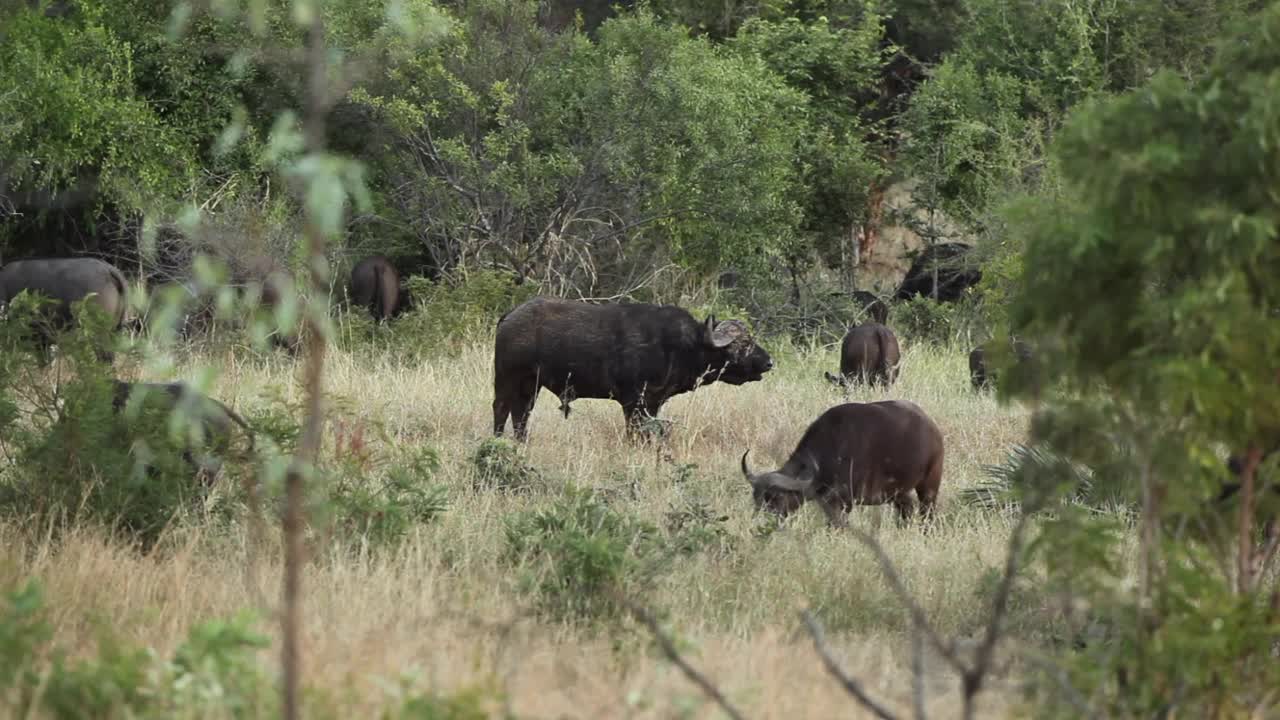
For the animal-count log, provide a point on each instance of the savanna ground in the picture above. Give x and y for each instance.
(444, 609)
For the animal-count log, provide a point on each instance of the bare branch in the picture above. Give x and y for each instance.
(917, 674)
(833, 667)
(669, 649)
(918, 618)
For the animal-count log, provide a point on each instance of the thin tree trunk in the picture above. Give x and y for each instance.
(309, 445)
(1244, 568)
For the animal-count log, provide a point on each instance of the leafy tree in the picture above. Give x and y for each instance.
(586, 164)
(837, 68)
(1148, 284)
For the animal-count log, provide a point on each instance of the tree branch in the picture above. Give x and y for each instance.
(850, 685)
(669, 649)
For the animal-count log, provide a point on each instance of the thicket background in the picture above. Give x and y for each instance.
(1110, 166)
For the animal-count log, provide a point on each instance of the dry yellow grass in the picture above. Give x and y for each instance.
(444, 608)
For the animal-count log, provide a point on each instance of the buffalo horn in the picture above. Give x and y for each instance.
(746, 473)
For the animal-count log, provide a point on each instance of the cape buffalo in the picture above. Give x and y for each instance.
(66, 281)
(272, 292)
(639, 355)
(980, 376)
(872, 305)
(375, 285)
(869, 351)
(857, 453)
(215, 419)
(952, 277)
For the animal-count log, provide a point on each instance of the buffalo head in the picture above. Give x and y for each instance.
(735, 357)
(779, 492)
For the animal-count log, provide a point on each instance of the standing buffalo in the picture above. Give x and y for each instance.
(66, 281)
(945, 263)
(857, 453)
(215, 420)
(872, 305)
(869, 351)
(639, 355)
(980, 376)
(375, 285)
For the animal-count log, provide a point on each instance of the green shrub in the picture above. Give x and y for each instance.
(925, 321)
(448, 314)
(496, 465)
(72, 456)
(472, 703)
(580, 551)
(383, 504)
(215, 664)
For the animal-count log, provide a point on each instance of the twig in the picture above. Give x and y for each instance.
(833, 667)
(917, 674)
(669, 649)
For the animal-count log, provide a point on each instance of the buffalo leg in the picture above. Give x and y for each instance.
(514, 399)
(927, 491)
(638, 411)
(905, 506)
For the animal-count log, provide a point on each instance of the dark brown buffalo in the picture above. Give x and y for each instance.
(639, 355)
(216, 420)
(872, 305)
(942, 271)
(980, 376)
(375, 285)
(869, 352)
(66, 281)
(273, 290)
(857, 453)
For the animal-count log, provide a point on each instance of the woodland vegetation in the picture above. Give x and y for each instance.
(1108, 166)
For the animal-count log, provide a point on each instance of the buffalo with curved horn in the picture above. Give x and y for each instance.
(857, 454)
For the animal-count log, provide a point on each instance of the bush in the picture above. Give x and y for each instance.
(448, 314)
(215, 663)
(579, 552)
(72, 456)
(382, 506)
(497, 465)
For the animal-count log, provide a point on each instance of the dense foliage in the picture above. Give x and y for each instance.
(1114, 167)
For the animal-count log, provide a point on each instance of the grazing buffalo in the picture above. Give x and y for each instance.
(66, 281)
(375, 285)
(869, 351)
(872, 305)
(215, 419)
(953, 278)
(639, 355)
(857, 453)
(980, 376)
(273, 291)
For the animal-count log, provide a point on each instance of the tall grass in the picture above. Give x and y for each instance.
(445, 608)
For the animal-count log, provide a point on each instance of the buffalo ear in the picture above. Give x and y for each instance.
(718, 338)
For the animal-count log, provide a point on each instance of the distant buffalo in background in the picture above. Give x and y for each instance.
(639, 355)
(872, 305)
(66, 281)
(272, 291)
(216, 421)
(980, 376)
(954, 276)
(375, 285)
(869, 351)
(857, 454)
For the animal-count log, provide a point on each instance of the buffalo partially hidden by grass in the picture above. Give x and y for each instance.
(869, 352)
(66, 281)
